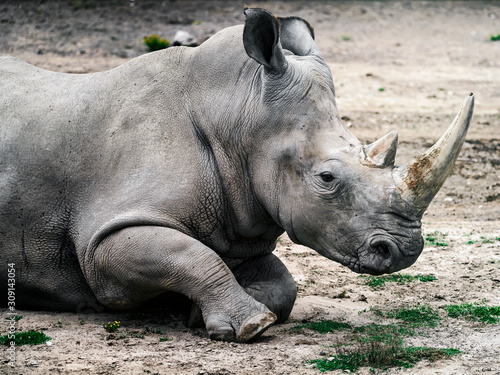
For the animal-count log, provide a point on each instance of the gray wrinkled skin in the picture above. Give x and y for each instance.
(178, 170)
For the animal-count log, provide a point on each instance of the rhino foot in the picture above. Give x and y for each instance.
(250, 329)
(268, 281)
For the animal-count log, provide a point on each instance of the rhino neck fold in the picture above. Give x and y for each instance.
(229, 150)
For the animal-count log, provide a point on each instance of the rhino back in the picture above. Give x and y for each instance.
(81, 151)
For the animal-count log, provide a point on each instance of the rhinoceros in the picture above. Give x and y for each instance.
(178, 170)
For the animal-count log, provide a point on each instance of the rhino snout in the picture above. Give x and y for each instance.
(384, 255)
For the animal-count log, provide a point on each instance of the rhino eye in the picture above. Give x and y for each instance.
(327, 177)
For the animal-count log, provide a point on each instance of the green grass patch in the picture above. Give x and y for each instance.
(436, 238)
(422, 315)
(323, 326)
(495, 38)
(380, 346)
(383, 332)
(379, 355)
(479, 313)
(376, 282)
(25, 338)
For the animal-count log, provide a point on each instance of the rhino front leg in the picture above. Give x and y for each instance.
(267, 280)
(136, 264)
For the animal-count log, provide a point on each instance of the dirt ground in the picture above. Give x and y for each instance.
(404, 66)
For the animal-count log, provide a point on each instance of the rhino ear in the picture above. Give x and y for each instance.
(297, 36)
(261, 38)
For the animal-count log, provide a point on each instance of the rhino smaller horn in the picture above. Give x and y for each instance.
(382, 152)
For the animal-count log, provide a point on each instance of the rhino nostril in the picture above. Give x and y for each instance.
(384, 247)
(383, 250)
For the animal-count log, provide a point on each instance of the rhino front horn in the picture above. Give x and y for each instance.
(420, 180)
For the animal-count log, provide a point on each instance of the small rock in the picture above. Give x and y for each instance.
(183, 38)
(362, 298)
(305, 342)
(49, 343)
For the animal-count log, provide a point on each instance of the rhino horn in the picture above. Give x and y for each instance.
(420, 179)
(381, 153)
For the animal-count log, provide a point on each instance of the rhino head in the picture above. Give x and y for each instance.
(346, 200)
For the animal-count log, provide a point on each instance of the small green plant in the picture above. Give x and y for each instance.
(482, 240)
(165, 338)
(155, 42)
(480, 313)
(376, 282)
(495, 38)
(381, 89)
(157, 331)
(346, 38)
(25, 338)
(58, 322)
(323, 326)
(111, 327)
(436, 239)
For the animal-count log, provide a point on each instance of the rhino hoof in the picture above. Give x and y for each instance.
(255, 326)
(223, 335)
(252, 328)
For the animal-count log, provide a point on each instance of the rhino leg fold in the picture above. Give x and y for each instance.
(267, 280)
(136, 264)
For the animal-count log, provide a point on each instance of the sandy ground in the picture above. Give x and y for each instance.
(404, 66)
